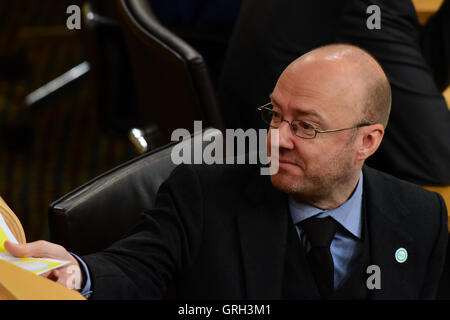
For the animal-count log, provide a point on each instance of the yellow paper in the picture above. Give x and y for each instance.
(35, 265)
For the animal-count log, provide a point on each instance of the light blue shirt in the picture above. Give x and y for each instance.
(86, 290)
(345, 247)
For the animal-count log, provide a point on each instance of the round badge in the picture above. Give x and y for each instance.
(401, 255)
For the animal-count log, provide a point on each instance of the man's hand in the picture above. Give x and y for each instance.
(69, 276)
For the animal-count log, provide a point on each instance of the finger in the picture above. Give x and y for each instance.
(70, 277)
(51, 275)
(46, 274)
(33, 249)
(14, 249)
(54, 275)
(60, 275)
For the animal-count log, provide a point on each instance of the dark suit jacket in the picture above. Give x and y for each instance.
(219, 232)
(270, 34)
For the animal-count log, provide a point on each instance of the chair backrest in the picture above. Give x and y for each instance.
(102, 211)
(110, 68)
(172, 80)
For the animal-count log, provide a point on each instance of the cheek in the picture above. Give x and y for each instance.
(306, 151)
(313, 155)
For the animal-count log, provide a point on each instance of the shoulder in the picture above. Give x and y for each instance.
(398, 196)
(217, 190)
(383, 183)
(215, 176)
(215, 172)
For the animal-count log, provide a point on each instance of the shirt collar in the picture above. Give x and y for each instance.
(348, 214)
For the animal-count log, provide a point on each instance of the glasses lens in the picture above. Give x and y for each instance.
(270, 117)
(303, 129)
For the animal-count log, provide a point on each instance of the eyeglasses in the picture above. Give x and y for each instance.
(300, 128)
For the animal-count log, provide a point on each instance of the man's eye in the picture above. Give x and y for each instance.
(306, 125)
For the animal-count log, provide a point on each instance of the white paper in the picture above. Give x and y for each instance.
(5, 228)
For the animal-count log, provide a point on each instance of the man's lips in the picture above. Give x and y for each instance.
(285, 162)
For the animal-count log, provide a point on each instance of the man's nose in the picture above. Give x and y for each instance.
(285, 135)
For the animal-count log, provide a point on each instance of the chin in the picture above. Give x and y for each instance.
(286, 183)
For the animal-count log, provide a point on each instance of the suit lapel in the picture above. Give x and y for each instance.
(263, 235)
(385, 215)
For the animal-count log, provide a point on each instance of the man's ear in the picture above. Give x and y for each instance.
(370, 140)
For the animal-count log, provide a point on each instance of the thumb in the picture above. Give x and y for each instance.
(33, 249)
(14, 249)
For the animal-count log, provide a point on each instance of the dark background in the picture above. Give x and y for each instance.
(48, 150)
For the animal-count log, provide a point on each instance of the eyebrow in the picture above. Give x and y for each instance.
(307, 112)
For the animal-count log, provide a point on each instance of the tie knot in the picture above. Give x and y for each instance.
(319, 231)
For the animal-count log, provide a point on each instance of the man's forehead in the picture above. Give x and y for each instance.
(297, 108)
(324, 82)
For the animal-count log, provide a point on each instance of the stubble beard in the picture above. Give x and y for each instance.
(318, 183)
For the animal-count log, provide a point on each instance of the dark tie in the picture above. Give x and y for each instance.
(320, 233)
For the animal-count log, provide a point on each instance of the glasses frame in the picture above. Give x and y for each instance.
(316, 131)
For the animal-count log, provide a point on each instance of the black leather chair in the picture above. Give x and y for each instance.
(172, 81)
(101, 211)
(112, 78)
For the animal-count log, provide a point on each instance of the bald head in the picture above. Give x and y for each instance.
(352, 70)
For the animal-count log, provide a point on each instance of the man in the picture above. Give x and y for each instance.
(270, 34)
(227, 232)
